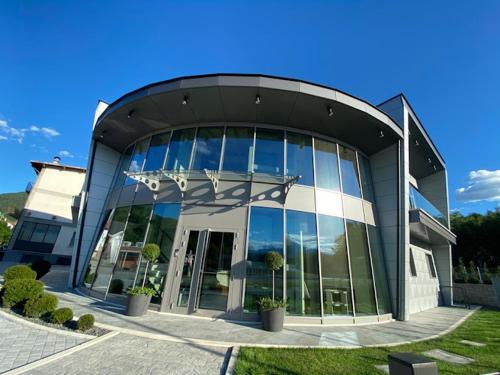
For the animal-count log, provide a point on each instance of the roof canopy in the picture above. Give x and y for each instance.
(252, 99)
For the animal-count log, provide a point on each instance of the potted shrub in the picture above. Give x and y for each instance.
(272, 311)
(150, 252)
(138, 300)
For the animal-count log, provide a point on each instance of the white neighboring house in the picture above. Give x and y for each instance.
(47, 225)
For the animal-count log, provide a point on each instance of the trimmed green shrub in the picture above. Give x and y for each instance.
(40, 305)
(274, 260)
(151, 252)
(19, 271)
(41, 267)
(89, 279)
(61, 316)
(116, 286)
(17, 291)
(85, 322)
(141, 291)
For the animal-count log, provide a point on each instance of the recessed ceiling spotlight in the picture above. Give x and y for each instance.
(257, 99)
(416, 143)
(429, 160)
(130, 114)
(185, 100)
(380, 134)
(435, 168)
(330, 111)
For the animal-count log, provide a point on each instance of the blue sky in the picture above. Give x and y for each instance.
(59, 57)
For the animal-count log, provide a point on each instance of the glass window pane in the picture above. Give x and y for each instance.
(413, 269)
(334, 266)
(362, 282)
(137, 160)
(162, 232)
(125, 271)
(383, 298)
(136, 226)
(110, 249)
(188, 269)
(179, 152)
(269, 151)
(366, 179)
(430, 265)
(302, 274)
(124, 164)
(265, 235)
(39, 232)
(349, 172)
(238, 150)
(156, 152)
(26, 231)
(299, 160)
(207, 149)
(327, 170)
(52, 233)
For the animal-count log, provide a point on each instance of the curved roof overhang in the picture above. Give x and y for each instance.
(232, 98)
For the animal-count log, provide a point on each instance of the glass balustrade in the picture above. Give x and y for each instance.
(418, 201)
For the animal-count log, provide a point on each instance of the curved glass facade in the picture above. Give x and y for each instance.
(333, 259)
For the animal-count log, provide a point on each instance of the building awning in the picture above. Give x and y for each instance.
(424, 227)
(153, 179)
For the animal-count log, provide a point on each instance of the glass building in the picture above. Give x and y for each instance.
(219, 170)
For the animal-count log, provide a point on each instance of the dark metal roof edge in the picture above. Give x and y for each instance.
(148, 86)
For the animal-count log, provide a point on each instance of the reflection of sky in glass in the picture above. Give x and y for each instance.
(179, 153)
(156, 152)
(238, 149)
(299, 157)
(208, 148)
(349, 172)
(266, 232)
(269, 151)
(327, 171)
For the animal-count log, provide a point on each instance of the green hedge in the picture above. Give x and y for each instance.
(17, 291)
(85, 322)
(40, 305)
(19, 271)
(61, 316)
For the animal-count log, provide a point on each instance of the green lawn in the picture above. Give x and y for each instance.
(483, 326)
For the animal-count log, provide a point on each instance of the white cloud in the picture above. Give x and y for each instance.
(66, 154)
(18, 134)
(482, 185)
(48, 132)
(3, 138)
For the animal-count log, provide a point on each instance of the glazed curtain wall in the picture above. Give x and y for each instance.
(328, 264)
(318, 162)
(116, 263)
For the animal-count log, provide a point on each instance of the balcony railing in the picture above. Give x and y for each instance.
(418, 201)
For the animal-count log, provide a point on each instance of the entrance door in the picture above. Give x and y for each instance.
(203, 272)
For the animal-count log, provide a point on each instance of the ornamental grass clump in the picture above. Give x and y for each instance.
(85, 322)
(17, 291)
(141, 291)
(19, 271)
(40, 305)
(61, 315)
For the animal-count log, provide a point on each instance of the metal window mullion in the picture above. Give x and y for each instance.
(367, 236)
(320, 273)
(245, 259)
(144, 242)
(165, 158)
(222, 149)
(345, 234)
(193, 149)
(284, 256)
(146, 156)
(111, 214)
(119, 249)
(254, 151)
(285, 145)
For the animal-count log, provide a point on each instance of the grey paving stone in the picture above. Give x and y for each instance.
(472, 343)
(384, 368)
(443, 355)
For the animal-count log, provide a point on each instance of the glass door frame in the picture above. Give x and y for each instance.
(176, 268)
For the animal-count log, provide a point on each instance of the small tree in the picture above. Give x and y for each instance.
(274, 262)
(150, 252)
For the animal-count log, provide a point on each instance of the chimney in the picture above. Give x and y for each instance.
(56, 160)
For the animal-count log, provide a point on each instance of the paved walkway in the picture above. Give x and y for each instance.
(127, 354)
(21, 343)
(211, 332)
